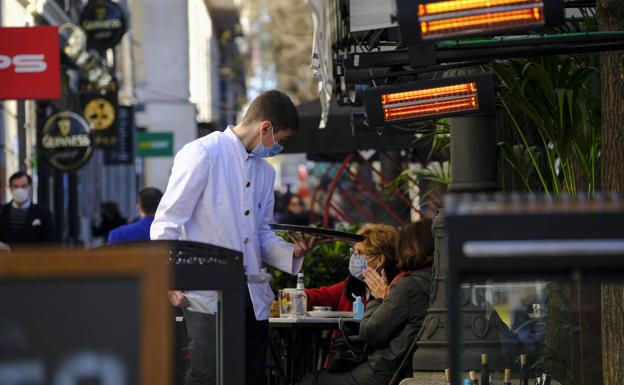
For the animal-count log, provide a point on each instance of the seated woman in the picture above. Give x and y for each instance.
(396, 312)
(379, 250)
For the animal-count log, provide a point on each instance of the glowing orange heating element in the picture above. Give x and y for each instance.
(428, 93)
(486, 21)
(456, 16)
(431, 101)
(464, 5)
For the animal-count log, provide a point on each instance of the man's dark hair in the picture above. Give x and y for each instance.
(276, 107)
(18, 175)
(149, 198)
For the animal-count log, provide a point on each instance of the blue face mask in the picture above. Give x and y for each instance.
(357, 264)
(264, 152)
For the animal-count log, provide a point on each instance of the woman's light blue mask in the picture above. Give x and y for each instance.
(264, 152)
(357, 264)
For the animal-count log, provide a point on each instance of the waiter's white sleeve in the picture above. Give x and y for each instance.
(186, 184)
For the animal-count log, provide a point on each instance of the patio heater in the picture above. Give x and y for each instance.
(473, 157)
(429, 99)
(422, 23)
(469, 102)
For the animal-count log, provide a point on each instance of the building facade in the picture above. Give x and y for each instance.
(167, 74)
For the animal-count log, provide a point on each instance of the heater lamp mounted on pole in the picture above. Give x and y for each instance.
(428, 99)
(424, 21)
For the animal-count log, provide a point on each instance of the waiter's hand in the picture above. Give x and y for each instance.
(303, 244)
(377, 284)
(178, 299)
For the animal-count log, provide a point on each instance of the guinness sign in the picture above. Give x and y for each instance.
(104, 22)
(66, 141)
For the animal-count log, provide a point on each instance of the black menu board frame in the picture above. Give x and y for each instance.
(139, 274)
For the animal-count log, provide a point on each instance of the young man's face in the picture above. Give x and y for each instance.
(269, 134)
(20, 189)
(283, 136)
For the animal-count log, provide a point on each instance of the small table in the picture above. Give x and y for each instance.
(300, 350)
(309, 322)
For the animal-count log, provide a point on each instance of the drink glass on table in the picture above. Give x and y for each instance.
(286, 298)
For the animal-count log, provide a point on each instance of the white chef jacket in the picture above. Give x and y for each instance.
(220, 194)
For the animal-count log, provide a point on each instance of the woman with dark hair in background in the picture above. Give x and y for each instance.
(296, 213)
(110, 219)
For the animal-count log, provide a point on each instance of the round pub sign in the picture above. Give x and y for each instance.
(67, 141)
(104, 23)
(100, 113)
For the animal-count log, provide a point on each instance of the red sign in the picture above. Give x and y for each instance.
(30, 63)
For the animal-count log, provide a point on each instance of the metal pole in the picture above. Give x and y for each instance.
(3, 172)
(473, 154)
(473, 169)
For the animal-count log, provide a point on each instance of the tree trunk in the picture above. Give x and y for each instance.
(611, 18)
(612, 333)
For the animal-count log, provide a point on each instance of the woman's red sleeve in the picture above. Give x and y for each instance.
(325, 296)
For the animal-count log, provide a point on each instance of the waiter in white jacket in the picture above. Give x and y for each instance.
(221, 192)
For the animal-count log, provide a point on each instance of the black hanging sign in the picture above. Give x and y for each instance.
(104, 22)
(123, 150)
(66, 141)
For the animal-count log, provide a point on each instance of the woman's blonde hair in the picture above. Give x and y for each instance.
(380, 240)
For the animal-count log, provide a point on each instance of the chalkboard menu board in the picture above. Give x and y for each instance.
(78, 318)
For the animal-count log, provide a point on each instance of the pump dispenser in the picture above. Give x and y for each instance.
(358, 308)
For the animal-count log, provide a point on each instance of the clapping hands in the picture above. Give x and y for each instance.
(377, 284)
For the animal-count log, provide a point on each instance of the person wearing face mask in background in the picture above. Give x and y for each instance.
(21, 220)
(394, 314)
(377, 251)
(220, 192)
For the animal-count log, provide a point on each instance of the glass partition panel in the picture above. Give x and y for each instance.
(550, 331)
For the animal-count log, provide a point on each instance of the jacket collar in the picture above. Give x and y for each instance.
(26, 204)
(239, 145)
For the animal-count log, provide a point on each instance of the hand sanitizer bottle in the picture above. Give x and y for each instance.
(358, 308)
